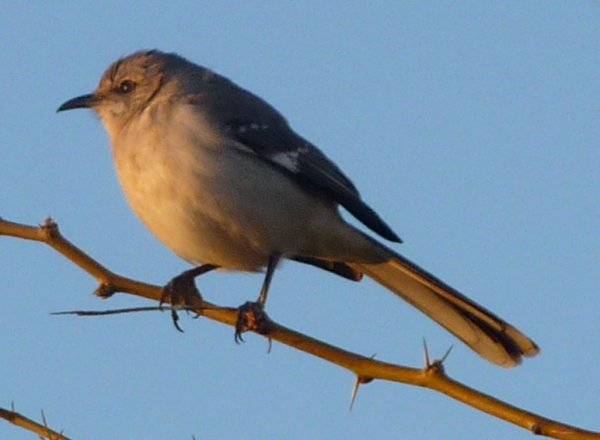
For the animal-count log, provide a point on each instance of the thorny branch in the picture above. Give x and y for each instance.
(42, 430)
(366, 369)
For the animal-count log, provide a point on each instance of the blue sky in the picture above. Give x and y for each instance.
(471, 126)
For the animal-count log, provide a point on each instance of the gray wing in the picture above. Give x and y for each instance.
(256, 126)
(283, 148)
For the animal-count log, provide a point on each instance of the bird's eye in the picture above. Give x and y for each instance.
(126, 86)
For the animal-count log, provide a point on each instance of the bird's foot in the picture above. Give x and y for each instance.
(180, 291)
(251, 317)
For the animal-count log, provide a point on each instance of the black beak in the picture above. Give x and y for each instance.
(85, 101)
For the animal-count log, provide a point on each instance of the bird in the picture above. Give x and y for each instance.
(218, 175)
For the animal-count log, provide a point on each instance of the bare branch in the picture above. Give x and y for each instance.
(40, 429)
(432, 376)
(113, 312)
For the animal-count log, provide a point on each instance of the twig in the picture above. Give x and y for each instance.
(431, 376)
(115, 311)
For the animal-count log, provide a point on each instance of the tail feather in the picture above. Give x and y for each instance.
(487, 334)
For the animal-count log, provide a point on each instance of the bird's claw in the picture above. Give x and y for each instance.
(251, 317)
(180, 291)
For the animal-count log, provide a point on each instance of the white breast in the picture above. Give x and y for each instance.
(209, 201)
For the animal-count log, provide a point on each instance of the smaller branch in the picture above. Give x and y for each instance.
(113, 312)
(40, 429)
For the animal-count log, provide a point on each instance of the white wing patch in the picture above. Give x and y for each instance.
(289, 159)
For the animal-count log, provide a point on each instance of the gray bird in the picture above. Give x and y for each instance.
(218, 175)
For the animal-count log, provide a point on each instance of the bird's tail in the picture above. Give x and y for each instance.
(487, 334)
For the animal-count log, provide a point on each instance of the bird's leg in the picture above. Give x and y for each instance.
(181, 289)
(264, 291)
(251, 315)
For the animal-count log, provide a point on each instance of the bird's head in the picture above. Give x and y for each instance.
(126, 88)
